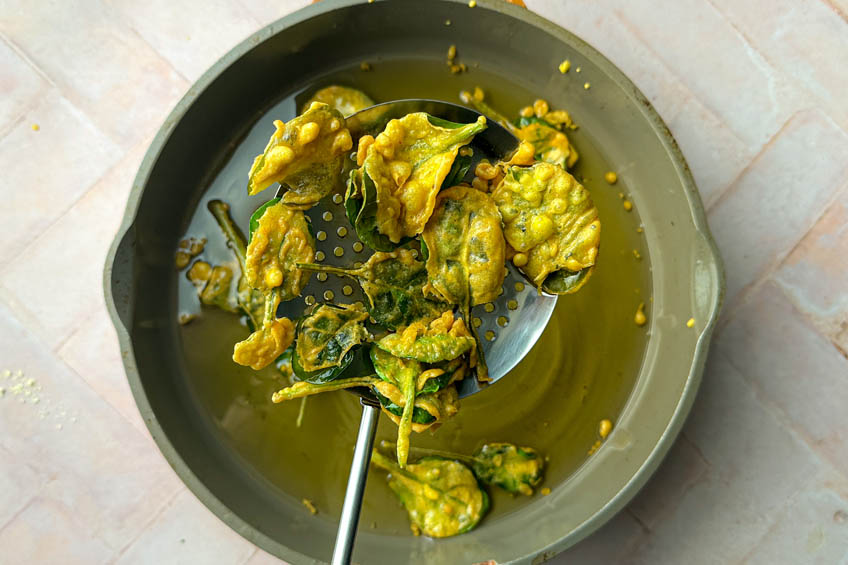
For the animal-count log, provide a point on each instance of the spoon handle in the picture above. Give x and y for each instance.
(356, 484)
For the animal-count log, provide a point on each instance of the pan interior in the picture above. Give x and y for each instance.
(581, 371)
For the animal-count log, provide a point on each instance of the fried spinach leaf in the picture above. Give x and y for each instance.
(304, 155)
(303, 389)
(269, 340)
(280, 240)
(393, 283)
(514, 469)
(441, 496)
(550, 219)
(407, 164)
(550, 144)
(403, 374)
(326, 337)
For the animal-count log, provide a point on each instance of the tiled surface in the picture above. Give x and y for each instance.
(755, 94)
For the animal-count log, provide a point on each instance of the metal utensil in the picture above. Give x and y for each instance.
(509, 326)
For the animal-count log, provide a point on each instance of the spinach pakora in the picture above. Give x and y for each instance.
(393, 283)
(280, 241)
(466, 252)
(326, 338)
(514, 469)
(542, 128)
(517, 470)
(407, 164)
(551, 224)
(304, 155)
(268, 341)
(419, 366)
(441, 496)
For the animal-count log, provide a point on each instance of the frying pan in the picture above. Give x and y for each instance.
(510, 50)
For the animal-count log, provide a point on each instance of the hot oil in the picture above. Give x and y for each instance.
(580, 372)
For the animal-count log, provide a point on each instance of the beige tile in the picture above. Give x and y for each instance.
(99, 64)
(268, 11)
(190, 34)
(20, 88)
(597, 23)
(20, 483)
(46, 171)
(109, 477)
(801, 38)
(46, 532)
(812, 529)
(725, 513)
(186, 533)
(682, 468)
(815, 277)
(56, 282)
(94, 353)
(714, 154)
(729, 76)
(792, 367)
(779, 197)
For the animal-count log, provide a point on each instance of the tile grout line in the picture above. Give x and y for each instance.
(751, 288)
(165, 505)
(20, 511)
(730, 188)
(783, 419)
(22, 54)
(768, 60)
(146, 140)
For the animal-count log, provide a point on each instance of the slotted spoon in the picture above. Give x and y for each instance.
(509, 326)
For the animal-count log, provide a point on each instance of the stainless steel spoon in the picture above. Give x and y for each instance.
(510, 325)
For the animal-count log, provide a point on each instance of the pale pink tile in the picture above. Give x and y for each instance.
(46, 532)
(186, 533)
(682, 467)
(793, 367)
(596, 23)
(714, 154)
(779, 197)
(94, 353)
(802, 39)
(268, 11)
(103, 67)
(812, 529)
(20, 88)
(191, 35)
(19, 484)
(610, 544)
(56, 282)
(111, 479)
(716, 63)
(723, 515)
(46, 171)
(815, 277)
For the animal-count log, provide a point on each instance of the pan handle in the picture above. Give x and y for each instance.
(356, 484)
(119, 277)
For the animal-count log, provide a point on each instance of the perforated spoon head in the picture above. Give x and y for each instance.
(509, 326)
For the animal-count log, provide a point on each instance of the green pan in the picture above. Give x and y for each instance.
(247, 460)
